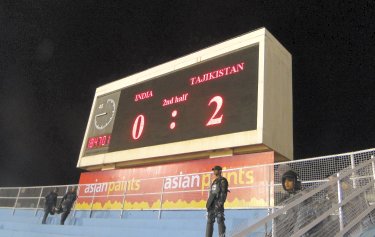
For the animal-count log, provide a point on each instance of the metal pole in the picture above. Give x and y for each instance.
(74, 207)
(270, 210)
(40, 196)
(92, 202)
(373, 167)
(265, 224)
(353, 166)
(269, 186)
(123, 199)
(209, 189)
(15, 203)
(208, 193)
(67, 189)
(161, 199)
(273, 223)
(339, 197)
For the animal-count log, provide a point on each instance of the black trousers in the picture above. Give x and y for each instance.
(218, 214)
(64, 215)
(47, 210)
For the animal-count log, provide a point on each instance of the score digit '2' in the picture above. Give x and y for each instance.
(216, 118)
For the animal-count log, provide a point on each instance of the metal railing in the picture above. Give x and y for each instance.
(313, 172)
(31, 198)
(341, 206)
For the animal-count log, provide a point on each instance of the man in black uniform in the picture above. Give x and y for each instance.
(286, 224)
(67, 203)
(50, 204)
(302, 214)
(215, 203)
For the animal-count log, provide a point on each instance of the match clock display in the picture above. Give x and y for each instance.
(106, 114)
(102, 123)
(210, 98)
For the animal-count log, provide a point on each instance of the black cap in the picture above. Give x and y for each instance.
(217, 168)
(293, 176)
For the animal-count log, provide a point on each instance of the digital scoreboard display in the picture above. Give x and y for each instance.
(210, 98)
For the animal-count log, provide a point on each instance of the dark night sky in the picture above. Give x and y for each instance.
(53, 54)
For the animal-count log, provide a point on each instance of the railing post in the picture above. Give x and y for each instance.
(339, 197)
(265, 224)
(123, 199)
(161, 199)
(74, 207)
(92, 202)
(270, 209)
(15, 203)
(352, 161)
(209, 189)
(273, 224)
(271, 190)
(208, 192)
(40, 196)
(373, 167)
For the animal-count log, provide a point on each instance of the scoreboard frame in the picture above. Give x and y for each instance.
(274, 128)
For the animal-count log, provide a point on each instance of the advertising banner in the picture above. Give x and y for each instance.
(182, 185)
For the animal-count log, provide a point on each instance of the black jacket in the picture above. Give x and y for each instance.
(68, 200)
(51, 199)
(218, 192)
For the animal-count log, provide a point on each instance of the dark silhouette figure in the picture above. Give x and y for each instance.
(50, 204)
(215, 203)
(67, 203)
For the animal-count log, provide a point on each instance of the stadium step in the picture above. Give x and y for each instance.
(16, 233)
(108, 224)
(152, 224)
(95, 231)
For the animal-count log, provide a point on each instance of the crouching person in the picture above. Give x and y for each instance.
(50, 204)
(66, 204)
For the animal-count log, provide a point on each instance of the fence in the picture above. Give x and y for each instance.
(342, 206)
(313, 172)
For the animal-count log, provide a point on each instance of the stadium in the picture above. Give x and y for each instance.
(200, 145)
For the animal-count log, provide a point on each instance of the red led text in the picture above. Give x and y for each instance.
(217, 74)
(138, 126)
(216, 118)
(143, 96)
(175, 99)
(99, 141)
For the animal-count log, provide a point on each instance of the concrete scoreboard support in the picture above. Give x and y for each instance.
(270, 126)
(278, 101)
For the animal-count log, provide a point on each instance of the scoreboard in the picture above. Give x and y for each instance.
(209, 100)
